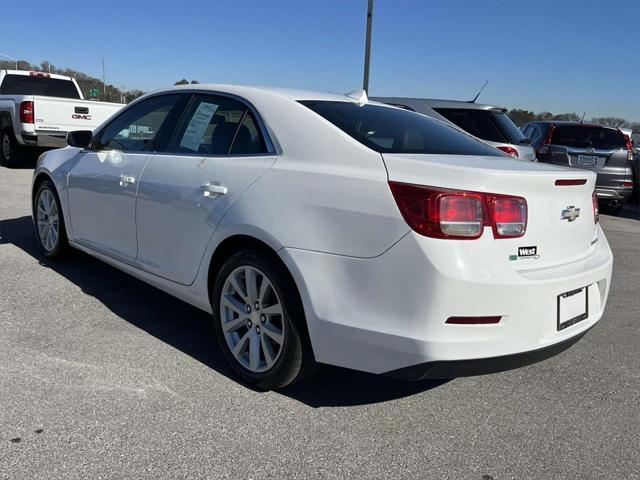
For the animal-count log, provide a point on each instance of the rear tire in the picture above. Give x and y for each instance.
(49, 221)
(258, 321)
(10, 151)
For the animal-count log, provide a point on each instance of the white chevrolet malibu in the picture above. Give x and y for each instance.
(325, 228)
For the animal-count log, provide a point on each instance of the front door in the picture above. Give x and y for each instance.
(103, 183)
(215, 153)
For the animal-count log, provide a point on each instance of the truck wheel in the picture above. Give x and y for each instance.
(9, 149)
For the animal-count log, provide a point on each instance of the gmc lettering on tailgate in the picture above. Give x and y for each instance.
(77, 116)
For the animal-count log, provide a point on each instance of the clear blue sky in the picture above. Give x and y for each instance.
(556, 55)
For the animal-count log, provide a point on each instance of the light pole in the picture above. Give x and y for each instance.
(367, 48)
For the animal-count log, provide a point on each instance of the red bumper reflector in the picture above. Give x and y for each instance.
(577, 181)
(627, 183)
(472, 320)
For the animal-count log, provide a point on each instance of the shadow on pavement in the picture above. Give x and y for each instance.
(189, 329)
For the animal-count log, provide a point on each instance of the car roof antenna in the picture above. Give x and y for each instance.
(582, 119)
(479, 92)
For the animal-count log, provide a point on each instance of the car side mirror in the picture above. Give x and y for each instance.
(80, 138)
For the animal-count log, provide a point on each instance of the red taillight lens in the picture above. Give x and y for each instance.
(596, 211)
(460, 214)
(26, 112)
(508, 215)
(508, 150)
(455, 214)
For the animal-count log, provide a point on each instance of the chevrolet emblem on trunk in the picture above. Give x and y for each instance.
(570, 213)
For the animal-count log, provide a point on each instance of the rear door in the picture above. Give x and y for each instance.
(216, 151)
(103, 184)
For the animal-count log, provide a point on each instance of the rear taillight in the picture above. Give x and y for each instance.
(507, 215)
(627, 183)
(544, 148)
(596, 211)
(508, 150)
(455, 214)
(26, 112)
(629, 147)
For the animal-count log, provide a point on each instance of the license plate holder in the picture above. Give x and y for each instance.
(587, 160)
(573, 307)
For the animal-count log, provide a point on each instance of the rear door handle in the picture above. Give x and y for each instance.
(213, 188)
(126, 180)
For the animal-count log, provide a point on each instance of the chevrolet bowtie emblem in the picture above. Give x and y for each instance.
(570, 213)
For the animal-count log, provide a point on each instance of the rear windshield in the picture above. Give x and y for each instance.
(491, 125)
(392, 130)
(48, 87)
(582, 136)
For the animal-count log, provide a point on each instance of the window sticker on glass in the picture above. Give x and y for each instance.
(192, 137)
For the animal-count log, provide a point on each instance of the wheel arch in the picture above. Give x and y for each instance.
(37, 180)
(238, 242)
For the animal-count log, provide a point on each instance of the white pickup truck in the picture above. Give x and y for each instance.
(37, 109)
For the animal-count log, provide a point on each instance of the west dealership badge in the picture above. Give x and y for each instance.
(528, 252)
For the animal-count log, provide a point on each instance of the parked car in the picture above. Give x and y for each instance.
(37, 109)
(635, 164)
(325, 228)
(486, 122)
(603, 150)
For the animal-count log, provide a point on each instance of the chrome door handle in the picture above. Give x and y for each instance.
(126, 180)
(213, 188)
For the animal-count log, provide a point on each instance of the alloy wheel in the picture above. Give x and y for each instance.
(252, 319)
(48, 220)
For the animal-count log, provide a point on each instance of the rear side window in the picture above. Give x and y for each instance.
(217, 125)
(509, 129)
(33, 85)
(484, 124)
(582, 136)
(392, 130)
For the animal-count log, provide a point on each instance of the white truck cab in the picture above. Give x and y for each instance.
(37, 109)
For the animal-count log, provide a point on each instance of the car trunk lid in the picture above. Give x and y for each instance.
(560, 226)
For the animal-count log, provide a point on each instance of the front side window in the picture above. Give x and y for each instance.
(393, 130)
(137, 128)
(216, 125)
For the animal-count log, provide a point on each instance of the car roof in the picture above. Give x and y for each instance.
(437, 103)
(253, 91)
(569, 123)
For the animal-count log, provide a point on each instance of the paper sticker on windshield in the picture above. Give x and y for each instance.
(192, 137)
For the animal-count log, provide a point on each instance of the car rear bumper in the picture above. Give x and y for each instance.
(620, 194)
(45, 139)
(483, 366)
(389, 313)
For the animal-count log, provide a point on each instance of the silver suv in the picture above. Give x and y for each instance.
(486, 122)
(604, 150)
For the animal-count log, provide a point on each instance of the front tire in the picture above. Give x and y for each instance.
(258, 321)
(49, 221)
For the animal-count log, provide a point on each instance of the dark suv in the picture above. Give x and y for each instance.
(604, 150)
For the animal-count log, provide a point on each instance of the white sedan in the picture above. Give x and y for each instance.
(325, 228)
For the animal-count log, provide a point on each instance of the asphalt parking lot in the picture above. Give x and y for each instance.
(102, 376)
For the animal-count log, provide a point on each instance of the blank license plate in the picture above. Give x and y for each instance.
(573, 307)
(587, 160)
